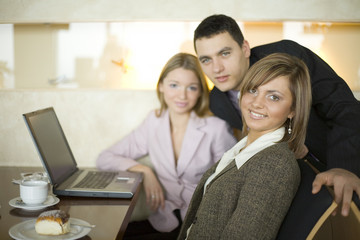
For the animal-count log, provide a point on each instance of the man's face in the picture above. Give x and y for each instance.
(223, 60)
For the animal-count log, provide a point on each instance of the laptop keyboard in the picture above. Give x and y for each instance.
(96, 180)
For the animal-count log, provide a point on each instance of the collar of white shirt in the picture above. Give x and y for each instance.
(258, 145)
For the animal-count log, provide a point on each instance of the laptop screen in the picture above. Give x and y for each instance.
(51, 144)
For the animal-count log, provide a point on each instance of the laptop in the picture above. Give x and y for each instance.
(59, 162)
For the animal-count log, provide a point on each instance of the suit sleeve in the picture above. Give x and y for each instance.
(264, 201)
(121, 156)
(334, 104)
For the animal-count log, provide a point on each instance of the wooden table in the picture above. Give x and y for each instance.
(110, 215)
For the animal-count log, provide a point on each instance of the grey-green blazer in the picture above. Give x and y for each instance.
(246, 203)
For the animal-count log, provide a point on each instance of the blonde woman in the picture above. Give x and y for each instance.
(182, 140)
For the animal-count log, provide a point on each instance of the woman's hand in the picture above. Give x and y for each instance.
(153, 190)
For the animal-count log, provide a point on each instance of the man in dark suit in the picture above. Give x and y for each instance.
(333, 134)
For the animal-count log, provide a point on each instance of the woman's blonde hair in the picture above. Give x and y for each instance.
(189, 62)
(274, 66)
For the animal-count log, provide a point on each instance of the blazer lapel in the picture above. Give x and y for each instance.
(227, 168)
(164, 142)
(192, 139)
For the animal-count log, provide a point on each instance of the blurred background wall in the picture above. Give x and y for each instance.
(97, 62)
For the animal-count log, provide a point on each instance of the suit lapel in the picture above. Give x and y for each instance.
(164, 142)
(222, 107)
(226, 169)
(192, 139)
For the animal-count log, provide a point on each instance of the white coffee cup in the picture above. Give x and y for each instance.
(33, 192)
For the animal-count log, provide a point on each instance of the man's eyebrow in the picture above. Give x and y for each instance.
(224, 49)
(218, 53)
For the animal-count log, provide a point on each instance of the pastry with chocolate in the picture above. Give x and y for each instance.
(54, 222)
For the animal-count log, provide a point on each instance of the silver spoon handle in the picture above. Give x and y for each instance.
(83, 225)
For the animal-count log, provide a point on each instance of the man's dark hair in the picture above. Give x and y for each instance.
(216, 24)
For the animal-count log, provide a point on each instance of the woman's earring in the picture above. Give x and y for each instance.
(289, 128)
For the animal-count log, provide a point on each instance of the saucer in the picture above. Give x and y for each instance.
(50, 201)
(26, 231)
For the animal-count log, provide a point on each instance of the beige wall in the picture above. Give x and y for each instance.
(92, 120)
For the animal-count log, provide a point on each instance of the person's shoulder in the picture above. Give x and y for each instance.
(279, 153)
(277, 159)
(215, 93)
(278, 44)
(153, 116)
(211, 123)
(281, 148)
(214, 120)
(284, 46)
(216, 128)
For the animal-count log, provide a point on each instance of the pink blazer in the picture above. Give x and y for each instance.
(205, 141)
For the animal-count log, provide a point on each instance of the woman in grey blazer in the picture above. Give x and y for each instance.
(246, 195)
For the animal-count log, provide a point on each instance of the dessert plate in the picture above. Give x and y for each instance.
(18, 203)
(26, 231)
